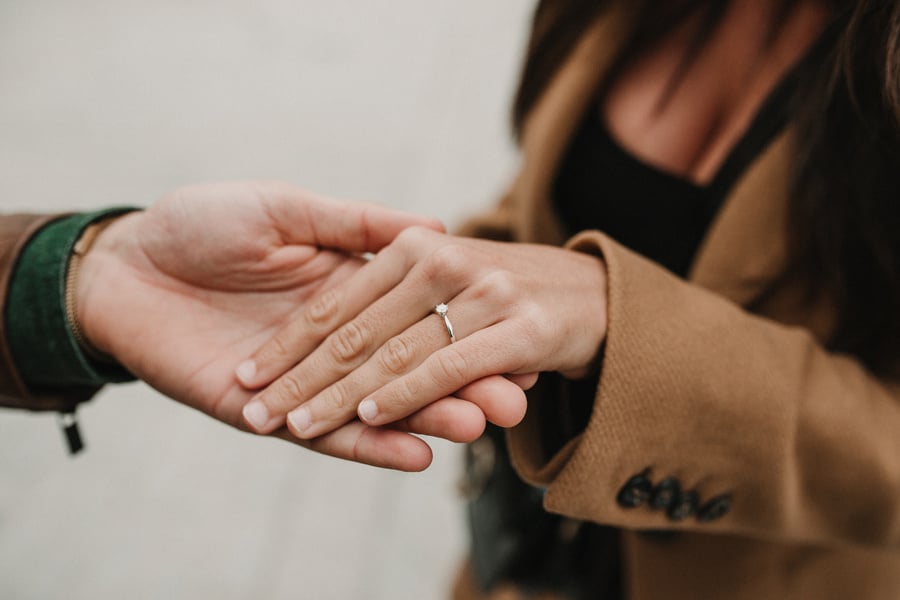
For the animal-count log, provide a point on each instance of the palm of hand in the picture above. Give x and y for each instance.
(215, 282)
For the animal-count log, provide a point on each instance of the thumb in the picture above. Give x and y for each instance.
(305, 218)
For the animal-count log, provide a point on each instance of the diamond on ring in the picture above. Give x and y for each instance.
(441, 310)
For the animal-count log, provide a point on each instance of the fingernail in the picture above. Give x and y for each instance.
(367, 410)
(300, 419)
(256, 414)
(246, 371)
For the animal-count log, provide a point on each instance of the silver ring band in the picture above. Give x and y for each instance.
(441, 310)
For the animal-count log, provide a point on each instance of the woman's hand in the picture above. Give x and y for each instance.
(181, 293)
(515, 308)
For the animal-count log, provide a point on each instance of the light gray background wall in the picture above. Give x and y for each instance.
(399, 101)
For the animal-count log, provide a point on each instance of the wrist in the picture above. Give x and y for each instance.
(592, 320)
(74, 296)
(91, 271)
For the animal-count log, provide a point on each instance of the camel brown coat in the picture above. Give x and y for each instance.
(721, 381)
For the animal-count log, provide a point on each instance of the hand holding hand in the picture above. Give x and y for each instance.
(181, 293)
(372, 344)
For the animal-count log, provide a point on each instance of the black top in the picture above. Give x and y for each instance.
(600, 185)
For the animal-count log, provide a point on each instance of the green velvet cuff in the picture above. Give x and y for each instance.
(43, 346)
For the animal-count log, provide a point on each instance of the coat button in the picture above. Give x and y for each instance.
(635, 492)
(714, 509)
(684, 506)
(664, 493)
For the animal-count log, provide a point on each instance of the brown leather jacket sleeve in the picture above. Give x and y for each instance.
(15, 231)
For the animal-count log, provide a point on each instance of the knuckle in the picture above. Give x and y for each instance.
(500, 287)
(532, 326)
(337, 397)
(451, 367)
(324, 309)
(397, 356)
(287, 393)
(349, 343)
(410, 390)
(279, 346)
(446, 263)
(411, 237)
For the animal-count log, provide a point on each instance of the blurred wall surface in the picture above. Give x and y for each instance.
(399, 101)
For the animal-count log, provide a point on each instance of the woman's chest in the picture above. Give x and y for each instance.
(683, 102)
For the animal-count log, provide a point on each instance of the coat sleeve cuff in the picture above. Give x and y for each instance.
(647, 406)
(739, 413)
(525, 441)
(648, 403)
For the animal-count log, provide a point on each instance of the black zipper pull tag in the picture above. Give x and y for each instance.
(69, 423)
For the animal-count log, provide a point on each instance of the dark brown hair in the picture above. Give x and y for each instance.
(845, 192)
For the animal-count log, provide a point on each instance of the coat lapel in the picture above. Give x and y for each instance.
(744, 249)
(550, 124)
